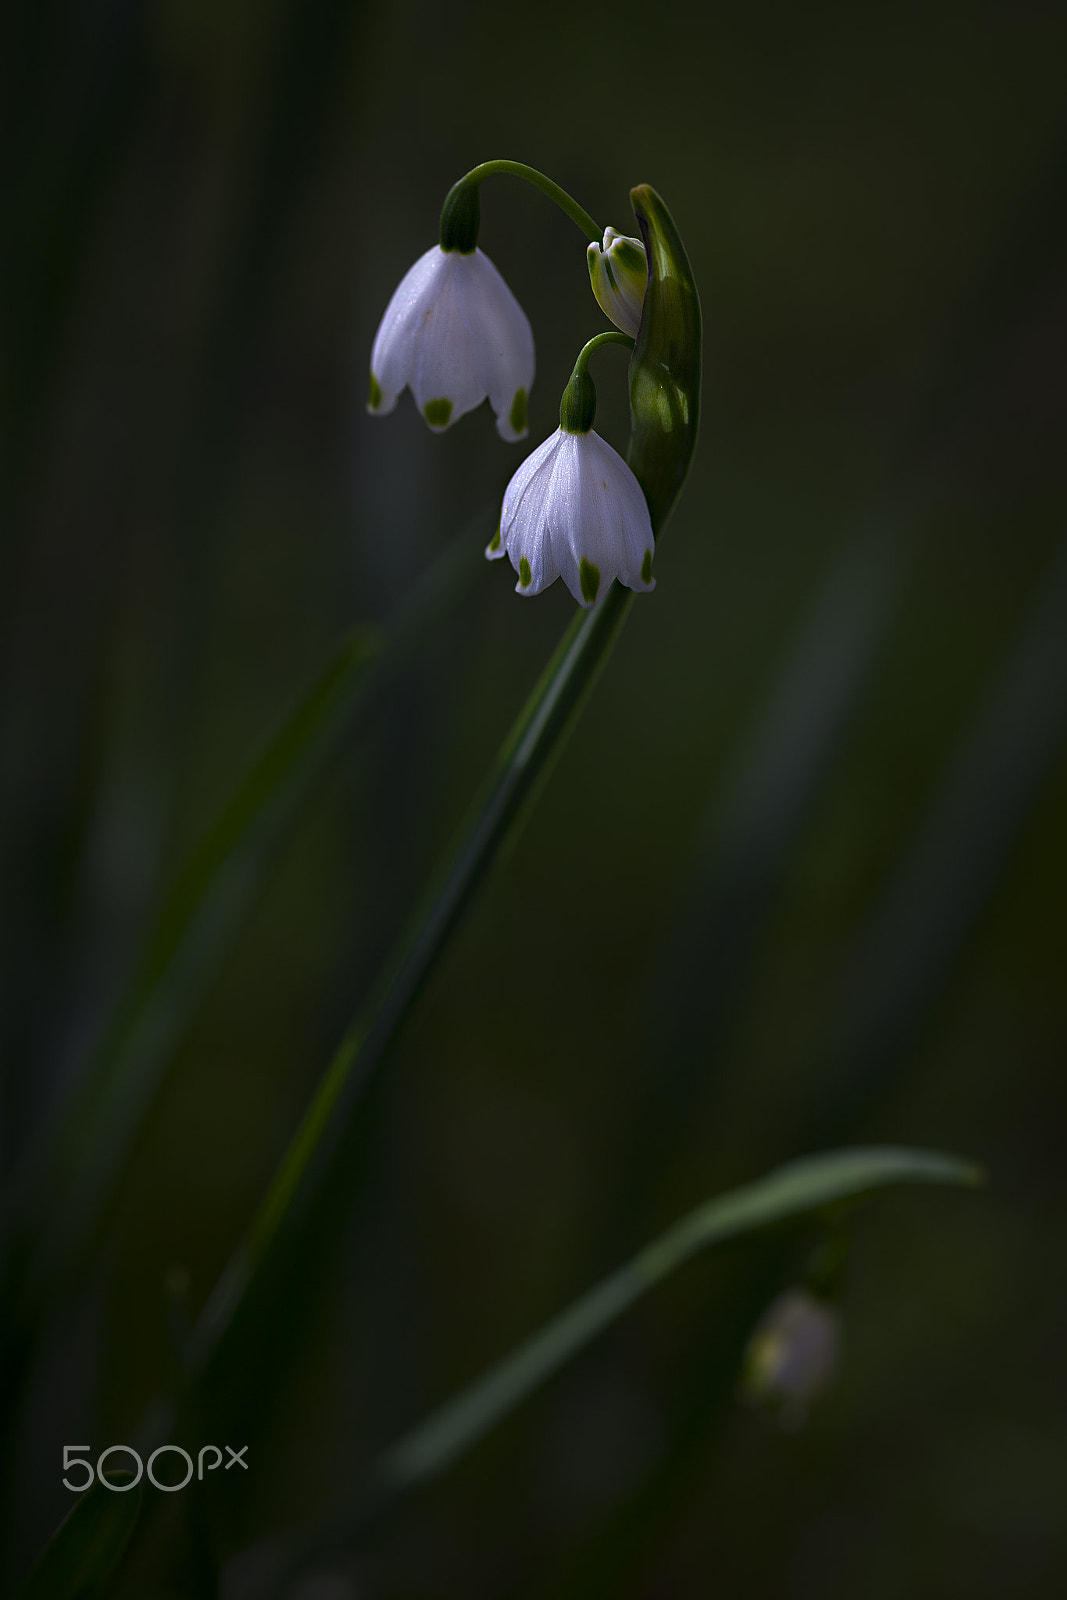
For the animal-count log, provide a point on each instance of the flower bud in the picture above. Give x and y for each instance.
(618, 272)
(793, 1353)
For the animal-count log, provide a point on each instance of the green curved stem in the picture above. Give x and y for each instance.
(577, 408)
(595, 344)
(519, 169)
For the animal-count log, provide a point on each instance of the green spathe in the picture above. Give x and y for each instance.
(665, 366)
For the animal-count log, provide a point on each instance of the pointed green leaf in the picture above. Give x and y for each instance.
(798, 1190)
(535, 739)
(665, 366)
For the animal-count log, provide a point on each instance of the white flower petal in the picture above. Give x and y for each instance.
(443, 378)
(616, 533)
(501, 339)
(522, 481)
(393, 353)
(496, 548)
(523, 521)
(566, 512)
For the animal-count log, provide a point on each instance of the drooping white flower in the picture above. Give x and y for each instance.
(575, 510)
(454, 333)
(618, 272)
(793, 1353)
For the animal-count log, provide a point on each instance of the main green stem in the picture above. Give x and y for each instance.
(518, 169)
(527, 754)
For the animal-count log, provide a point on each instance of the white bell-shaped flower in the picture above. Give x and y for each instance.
(793, 1353)
(575, 510)
(618, 272)
(454, 333)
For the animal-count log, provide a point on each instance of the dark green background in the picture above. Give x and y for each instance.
(206, 209)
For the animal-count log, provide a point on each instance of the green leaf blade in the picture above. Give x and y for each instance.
(800, 1190)
(523, 764)
(67, 1184)
(84, 1553)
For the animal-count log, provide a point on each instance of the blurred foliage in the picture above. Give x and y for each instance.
(799, 877)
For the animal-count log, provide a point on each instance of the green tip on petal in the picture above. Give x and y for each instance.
(589, 578)
(437, 412)
(374, 397)
(517, 417)
(646, 567)
(494, 543)
(525, 575)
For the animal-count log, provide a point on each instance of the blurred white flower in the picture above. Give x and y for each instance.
(793, 1353)
(618, 272)
(454, 333)
(575, 510)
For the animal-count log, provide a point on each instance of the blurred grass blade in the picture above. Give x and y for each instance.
(753, 819)
(899, 967)
(791, 1192)
(524, 761)
(83, 1554)
(822, 1184)
(69, 1185)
